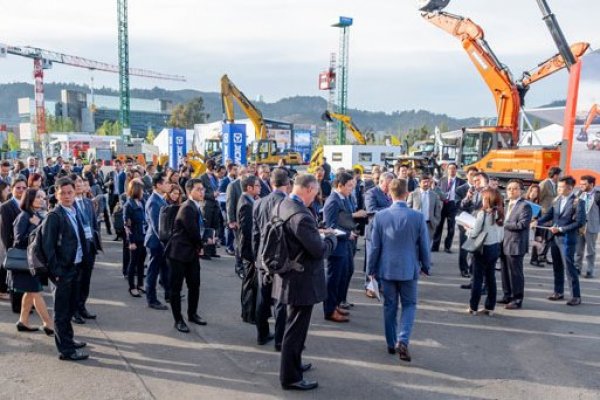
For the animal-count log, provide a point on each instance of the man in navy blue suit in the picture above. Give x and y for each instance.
(567, 215)
(398, 253)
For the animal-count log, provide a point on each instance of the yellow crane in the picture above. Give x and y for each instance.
(263, 150)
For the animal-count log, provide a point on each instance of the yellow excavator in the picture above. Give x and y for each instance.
(262, 150)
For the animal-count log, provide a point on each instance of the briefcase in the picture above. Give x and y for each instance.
(16, 260)
(346, 221)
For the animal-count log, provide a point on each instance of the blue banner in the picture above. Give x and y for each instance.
(234, 143)
(177, 147)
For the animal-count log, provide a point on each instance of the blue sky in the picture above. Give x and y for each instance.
(276, 48)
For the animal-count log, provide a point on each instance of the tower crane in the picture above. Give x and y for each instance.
(43, 59)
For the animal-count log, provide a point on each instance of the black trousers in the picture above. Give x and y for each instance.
(264, 301)
(3, 285)
(65, 305)
(136, 266)
(84, 278)
(107, 220)
(462, 254)
(449, 216)
(513, 280)
(296, 330)
(190, 271)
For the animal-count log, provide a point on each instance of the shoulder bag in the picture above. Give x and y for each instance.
(16, 260)
(475, 245)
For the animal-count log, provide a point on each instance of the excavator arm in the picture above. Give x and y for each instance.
(229, 92)
(347, 121)
(496, 75)
(552, 65)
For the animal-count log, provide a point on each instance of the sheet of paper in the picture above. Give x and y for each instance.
(465, 219)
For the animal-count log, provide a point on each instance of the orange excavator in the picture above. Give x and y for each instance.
(493, 148)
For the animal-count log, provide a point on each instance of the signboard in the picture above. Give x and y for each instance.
(234, 143)
(303, 135)
(582, 118)
(177, 147)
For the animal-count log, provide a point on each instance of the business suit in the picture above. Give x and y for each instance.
(339, 263)
(210, 209)
(229, 237)
(375, 201)
(586, 241)
(234, 192)
(134, 218)
(9, 210)
(468, 206)
(60, 242)
(434, 210)
(300, 290)
(157, 264)
(261, 215)
(570, 217)
(85, 208)
(265, 188)
(515, 245)
(183, 251)
(399, 251)
(244, 243)
(49, 175)
(448, 188)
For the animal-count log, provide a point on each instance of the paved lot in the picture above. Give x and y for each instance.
(545, 351)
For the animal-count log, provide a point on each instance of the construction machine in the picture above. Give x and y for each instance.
(493, 148)
(262, 150)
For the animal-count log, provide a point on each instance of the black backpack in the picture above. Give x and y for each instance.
(117, 216)
(36, 258)
(275, 257)
(166, 222)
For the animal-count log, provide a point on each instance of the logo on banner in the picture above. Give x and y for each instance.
(237, 137)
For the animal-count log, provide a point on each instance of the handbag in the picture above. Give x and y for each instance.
(475, 245)
(16, 260)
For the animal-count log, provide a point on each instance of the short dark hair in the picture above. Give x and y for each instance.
(452, 163)
(231, 166)
(250, 180)
(210, 164)
(17, 179)
(280, 178)
(341, 178)
(425, 176)
(589, 178)
(472, 169)
(552, 172)
(64, 181)
(119, 162)
(48, 158)
(305, 180)
(398, 188)
(5, 163)
(568, 180)
(189, 185)
(158, 178)
(517, 181)
(484, 176)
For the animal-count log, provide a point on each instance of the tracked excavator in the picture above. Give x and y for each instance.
(493, 148)
(262, 150)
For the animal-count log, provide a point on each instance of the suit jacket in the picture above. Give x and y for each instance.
(134, 219)
(89, 217)
(547, 194)
(469, 206)
(516, 229)
(331, 211)
(153, 205)
(121, 177)
(570, 220)
(110, 182)
(9, 210)
(244, 218)
(224, 183)
(265, 188)
(209, 195)
(49, 175)
(186, 242)
(234, 192)
(399, 244)
(59, 241)
(262, 212)
(375, 201)
(413, 184)
(445, 188)
(435, 205)
(22, 228)
(307, 287)
(593, 214)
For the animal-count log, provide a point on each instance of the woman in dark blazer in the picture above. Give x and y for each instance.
(134, 218)
(32, 204)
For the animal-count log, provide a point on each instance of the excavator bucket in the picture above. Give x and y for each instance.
(326, 117)
(432, 5)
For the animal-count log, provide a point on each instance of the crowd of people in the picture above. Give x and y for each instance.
(168, 220)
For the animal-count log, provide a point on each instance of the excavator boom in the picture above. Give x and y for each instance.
(552, 65)
(229, 92)
(347, 121)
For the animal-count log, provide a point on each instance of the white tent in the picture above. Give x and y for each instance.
(548, 136)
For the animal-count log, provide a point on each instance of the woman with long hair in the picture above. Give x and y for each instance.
(4, 191)
(135, 217)
(32, 205)
(35, 181)
(490, 219)
(174, 195)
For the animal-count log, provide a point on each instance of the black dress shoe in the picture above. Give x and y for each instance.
(79, 345)
(48, 331)
(158, 306)
(87, 315)
(575, 301)
(465, 274)
(77, 355)
(182, 327)
(196, 319)
(448, 251)
(302, 385)
(21, 327)
(216, 256)
(305, 367)
(514, 305)
(504, 300)
(465, 286)
(78, 319)
(204, 257)
(278, 348)
(391, 350)
(265, 340)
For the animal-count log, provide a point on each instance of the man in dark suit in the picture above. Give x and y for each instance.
(234, 192)
(232, 170)
(567, 215)
(9, 210)
(448, 186)
(326, 169)
(65, 247)
(211, 210)
(251, 189)
(49, 173)
(262, 214)
(300, 291)
(156, 263)
(264, 175)
(183, 252)
(87, 215)
(465, 193)
(515, 246)
(398, 254)
(115, 183)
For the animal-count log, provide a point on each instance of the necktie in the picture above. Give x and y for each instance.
(510, 207)
(588, 202)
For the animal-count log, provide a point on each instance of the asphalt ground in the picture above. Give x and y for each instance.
(547, 350)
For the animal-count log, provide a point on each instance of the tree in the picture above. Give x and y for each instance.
(13, 142)
(188, 114)
(150, 136)
(109, 129)
(59, 124)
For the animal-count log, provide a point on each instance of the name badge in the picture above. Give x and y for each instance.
(88, 232)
